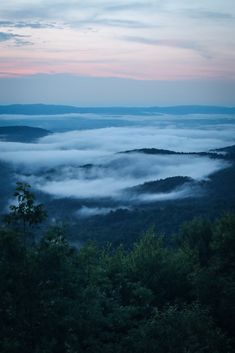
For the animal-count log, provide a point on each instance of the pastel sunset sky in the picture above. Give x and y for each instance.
(126, 52)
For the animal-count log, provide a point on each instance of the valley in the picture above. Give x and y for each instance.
(121, 173)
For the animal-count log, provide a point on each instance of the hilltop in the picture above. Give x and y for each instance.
(22, 133)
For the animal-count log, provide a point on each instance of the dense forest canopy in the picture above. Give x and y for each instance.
(161, 296)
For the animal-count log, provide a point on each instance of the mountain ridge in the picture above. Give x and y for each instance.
(50, 109)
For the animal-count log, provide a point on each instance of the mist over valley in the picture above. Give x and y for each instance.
(93, 165)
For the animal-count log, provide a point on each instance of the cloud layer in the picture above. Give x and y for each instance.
(86, 164)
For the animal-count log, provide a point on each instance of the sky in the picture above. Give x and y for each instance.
(126, 52)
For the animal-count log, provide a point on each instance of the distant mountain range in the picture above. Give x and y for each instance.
(43, 109)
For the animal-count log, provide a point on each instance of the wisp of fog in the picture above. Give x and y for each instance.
(87, 164)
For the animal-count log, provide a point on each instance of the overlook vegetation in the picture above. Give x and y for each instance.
(162, 296)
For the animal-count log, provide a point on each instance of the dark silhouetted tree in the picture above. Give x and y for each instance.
(26, 212)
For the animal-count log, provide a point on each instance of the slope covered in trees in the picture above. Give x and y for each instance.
(160, 296)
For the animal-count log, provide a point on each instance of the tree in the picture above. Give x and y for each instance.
(25, 212)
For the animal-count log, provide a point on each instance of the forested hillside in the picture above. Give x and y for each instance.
(161, 296)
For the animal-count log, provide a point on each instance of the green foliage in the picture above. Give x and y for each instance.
(195, 237)
(224, 242)
(152, 299)
(26, 212)
(180, 329)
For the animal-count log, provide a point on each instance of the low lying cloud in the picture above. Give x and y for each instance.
(85, 211)
(38, 160)
(173, 195)
(118, 173)
(87, 165)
